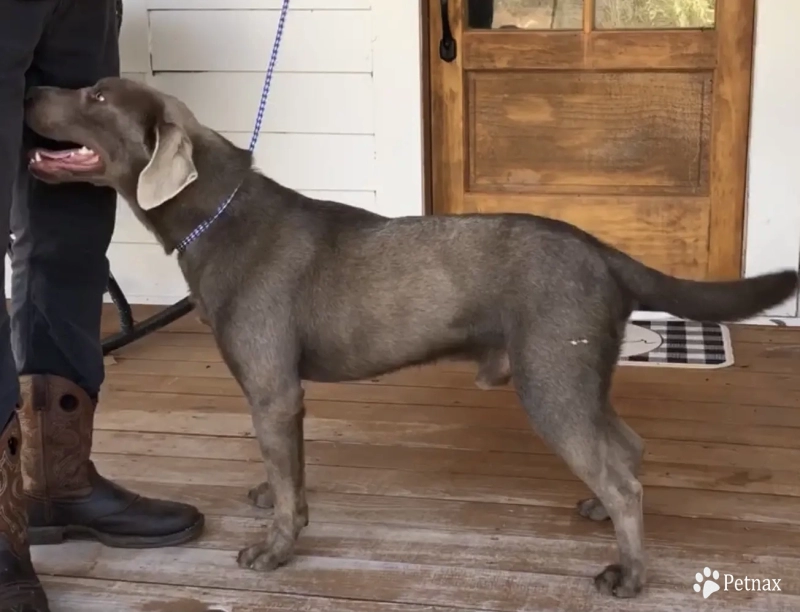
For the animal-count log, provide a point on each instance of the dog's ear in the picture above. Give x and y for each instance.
(170, 169)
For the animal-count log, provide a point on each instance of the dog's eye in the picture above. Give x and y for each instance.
(99, 97)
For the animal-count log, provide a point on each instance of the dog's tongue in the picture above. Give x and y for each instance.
(67, 158)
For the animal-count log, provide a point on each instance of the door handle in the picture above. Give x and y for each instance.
(447, 46)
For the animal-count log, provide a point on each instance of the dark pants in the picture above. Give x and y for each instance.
(61, 233)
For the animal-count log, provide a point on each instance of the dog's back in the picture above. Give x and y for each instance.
(370, 294)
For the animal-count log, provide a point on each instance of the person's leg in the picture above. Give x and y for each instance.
(21, 25)
(60, 273)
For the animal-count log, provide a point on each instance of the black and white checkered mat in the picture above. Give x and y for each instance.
(676, 343)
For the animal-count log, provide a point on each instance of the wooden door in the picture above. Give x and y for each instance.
(628, 118)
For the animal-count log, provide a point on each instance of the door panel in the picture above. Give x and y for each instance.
(608, 132)
(631, 224)
(636, 134)
(651, 50)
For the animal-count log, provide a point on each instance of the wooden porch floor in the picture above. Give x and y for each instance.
(428, 494)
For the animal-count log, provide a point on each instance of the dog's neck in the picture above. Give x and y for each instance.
(221, 170)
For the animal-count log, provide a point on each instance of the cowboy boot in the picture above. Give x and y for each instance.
(20, 589)
(66, 497)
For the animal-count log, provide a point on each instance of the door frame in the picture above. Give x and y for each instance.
(772, 226)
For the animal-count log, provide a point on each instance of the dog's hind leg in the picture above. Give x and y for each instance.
(564, 391)
(630, 449)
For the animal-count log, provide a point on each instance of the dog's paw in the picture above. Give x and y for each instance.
(592, 509)
(261, 496)
(615, 581)
(268, 555)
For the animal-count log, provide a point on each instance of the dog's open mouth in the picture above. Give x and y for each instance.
(74, 161)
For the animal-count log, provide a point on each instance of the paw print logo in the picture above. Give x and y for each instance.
(706, 582)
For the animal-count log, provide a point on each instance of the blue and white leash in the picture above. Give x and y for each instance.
(256, 130)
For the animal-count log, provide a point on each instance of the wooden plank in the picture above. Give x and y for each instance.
(734, 503)
(775, 358)
(457, 376)
(445, 503)
(767, 335)
(133, 38)
(189, 332)
(735, 23)
(588, 16)
(447, 113)
(768, 357)
(699, 529)
(576, 133)
(666, 465)
(476, 547)
(503, 452)
(303, 103)
(313, 41)
(664, 232)
(116, 381)
(252, 5)
(453, 434)
(398, 99)
(128, 229)
(155, 412)
(363, 198)
(98, 595)
(528, 554)
(456, 586)
(750, 357)
(433, 377)
(133, 265)
(575, 50)
(448, 549)
(395, 394)
(315, 161)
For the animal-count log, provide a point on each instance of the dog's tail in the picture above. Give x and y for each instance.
(711, 301)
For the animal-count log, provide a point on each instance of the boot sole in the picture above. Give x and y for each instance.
(24, 598)
(39, 536)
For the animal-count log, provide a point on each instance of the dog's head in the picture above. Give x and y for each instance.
(129, 136)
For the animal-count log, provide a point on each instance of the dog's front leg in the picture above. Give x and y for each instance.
(278, 422)
(261, 495)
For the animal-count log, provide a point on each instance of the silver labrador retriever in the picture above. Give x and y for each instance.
(298, 289)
